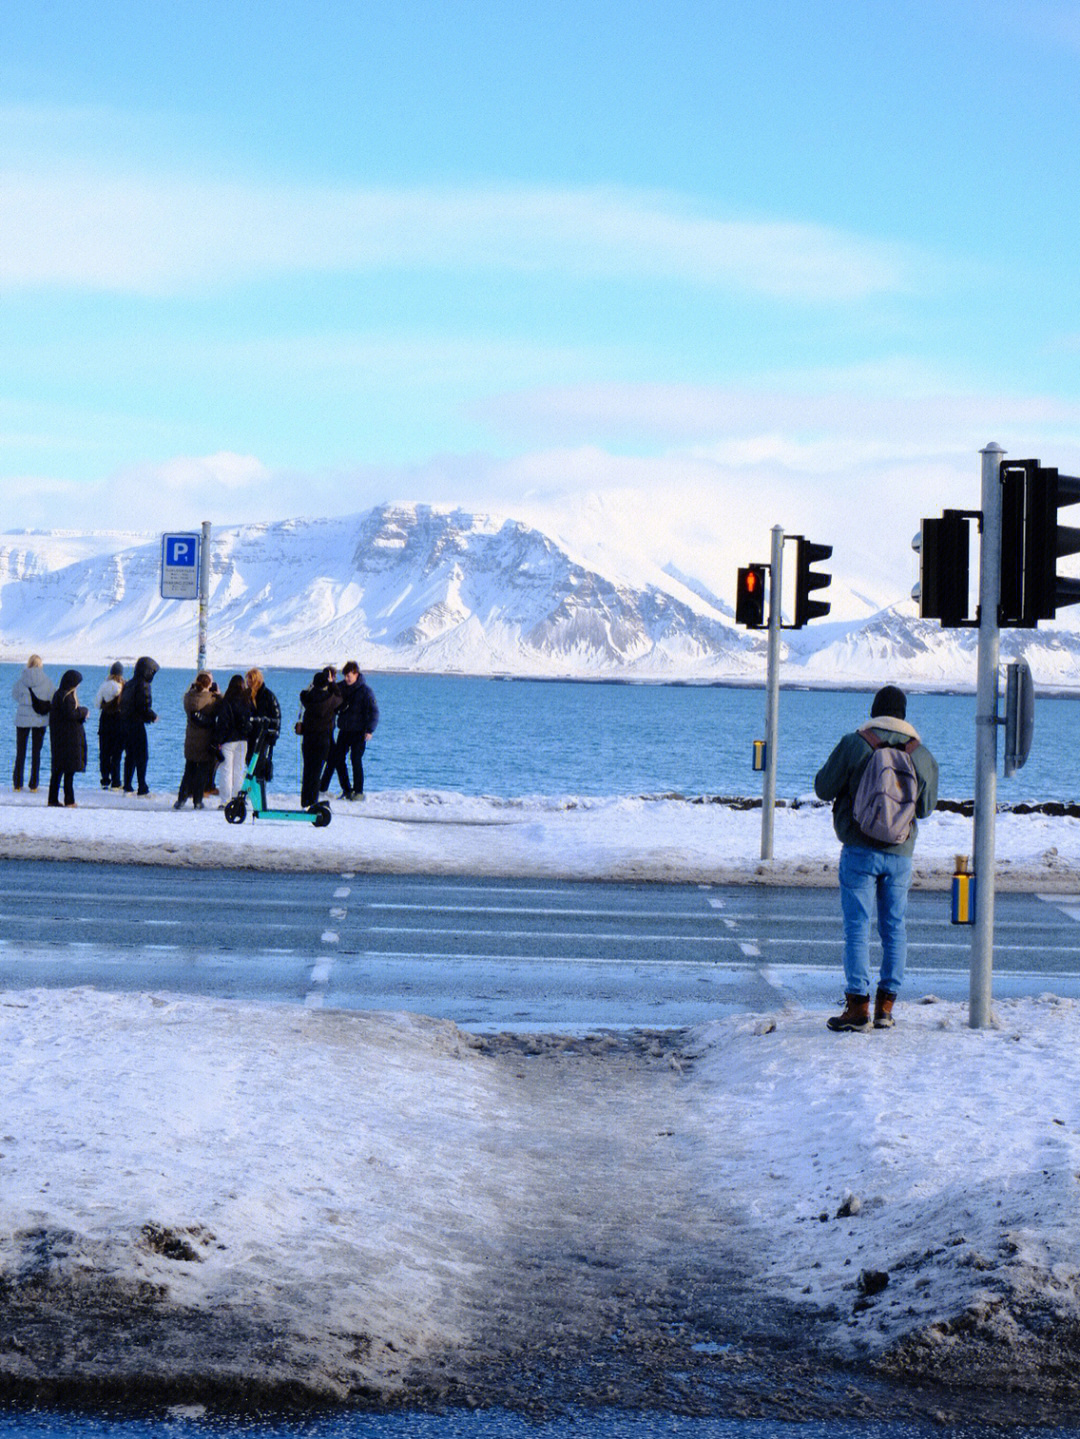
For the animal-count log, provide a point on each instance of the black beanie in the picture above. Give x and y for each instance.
(889, 701)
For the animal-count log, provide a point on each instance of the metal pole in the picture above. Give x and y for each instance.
(772, 694)
(986, 728)
(204, 592)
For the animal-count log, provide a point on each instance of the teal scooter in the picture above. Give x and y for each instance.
(253, 789)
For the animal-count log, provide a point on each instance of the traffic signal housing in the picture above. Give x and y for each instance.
(750, 597)
(1032, 542)
(944, 569)
(806, 580)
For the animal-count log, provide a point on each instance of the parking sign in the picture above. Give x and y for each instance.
(180, 567)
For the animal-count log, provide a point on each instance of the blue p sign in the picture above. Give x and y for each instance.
(180, 549)
(180, 567)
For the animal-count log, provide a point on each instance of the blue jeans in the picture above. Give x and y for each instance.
(869, 877)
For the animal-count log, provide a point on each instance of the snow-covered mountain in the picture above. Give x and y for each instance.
(422, 588)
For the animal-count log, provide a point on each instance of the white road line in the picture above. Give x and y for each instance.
(691, 916)
(343, 892)
(643, 966)
(329, 936)
(568, 934)
(313, 1001)
(339, 914)
(749, 948)
(320, 974)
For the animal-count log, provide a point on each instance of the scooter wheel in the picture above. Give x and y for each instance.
(323, 815)
(236, 811)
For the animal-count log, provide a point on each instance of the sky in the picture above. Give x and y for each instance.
(781, 263)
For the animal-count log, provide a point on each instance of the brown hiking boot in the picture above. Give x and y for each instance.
(883, 1015)
(856, 1015)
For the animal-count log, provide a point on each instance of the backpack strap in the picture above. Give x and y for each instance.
(874, 740)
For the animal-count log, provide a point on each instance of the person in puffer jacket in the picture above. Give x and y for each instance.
(30, 723)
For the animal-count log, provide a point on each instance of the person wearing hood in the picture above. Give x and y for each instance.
(319, 703)
(31, 720)
(875, 874)
(137, 711)
(67, 738)
(110, 726)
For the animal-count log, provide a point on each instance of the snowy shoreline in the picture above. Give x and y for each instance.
(641, 839)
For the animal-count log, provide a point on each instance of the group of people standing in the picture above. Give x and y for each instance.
(126, 709)
(337, 718)
(223, 730)
(222, 733)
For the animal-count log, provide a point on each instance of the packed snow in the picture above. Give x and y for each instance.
(382, 1207)
(541, 836)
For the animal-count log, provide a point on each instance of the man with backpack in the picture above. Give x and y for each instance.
(881, 778)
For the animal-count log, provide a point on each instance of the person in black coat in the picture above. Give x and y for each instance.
(319, 702)
(356, 721)
(137, 711)
(267, 721)
(67, 738)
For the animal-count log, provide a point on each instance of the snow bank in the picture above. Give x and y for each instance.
(565, 836)
(204, 1198)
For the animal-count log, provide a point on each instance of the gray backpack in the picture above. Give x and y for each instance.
(885, 800)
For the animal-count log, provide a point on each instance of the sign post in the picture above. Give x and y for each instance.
(185, 575)
(204, 592)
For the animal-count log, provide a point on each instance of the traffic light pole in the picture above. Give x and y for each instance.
(986, 728)
(772, 694)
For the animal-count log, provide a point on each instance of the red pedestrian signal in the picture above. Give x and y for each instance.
(750, 597)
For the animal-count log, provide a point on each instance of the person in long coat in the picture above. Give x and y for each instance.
(137, 709)
(31, 721)
(199, 705)
(267, 721)
(319, 702)
(67, 738)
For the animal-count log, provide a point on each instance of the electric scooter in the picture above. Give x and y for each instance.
(254, 789)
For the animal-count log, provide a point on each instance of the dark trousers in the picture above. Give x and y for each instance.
(136, 754)
(68, 777)
(315, 751)
(349, 747)
(110, 749)
(194, 781)
(36, 736)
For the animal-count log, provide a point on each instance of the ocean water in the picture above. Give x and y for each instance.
(511, 738)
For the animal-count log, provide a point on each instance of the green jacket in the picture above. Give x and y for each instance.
(838, 779)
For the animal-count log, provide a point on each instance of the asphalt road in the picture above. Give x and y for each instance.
(490, 955)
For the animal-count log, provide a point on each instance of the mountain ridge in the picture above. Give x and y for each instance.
(412, 586)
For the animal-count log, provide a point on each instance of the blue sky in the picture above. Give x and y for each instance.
(284, 258)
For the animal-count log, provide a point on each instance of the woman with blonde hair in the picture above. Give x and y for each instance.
(267, 717)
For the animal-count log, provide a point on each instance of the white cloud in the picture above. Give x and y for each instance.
(156, 236)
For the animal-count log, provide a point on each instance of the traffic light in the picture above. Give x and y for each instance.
(944, 569)
(806, 579)
(1032, 542)
(750, 597)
